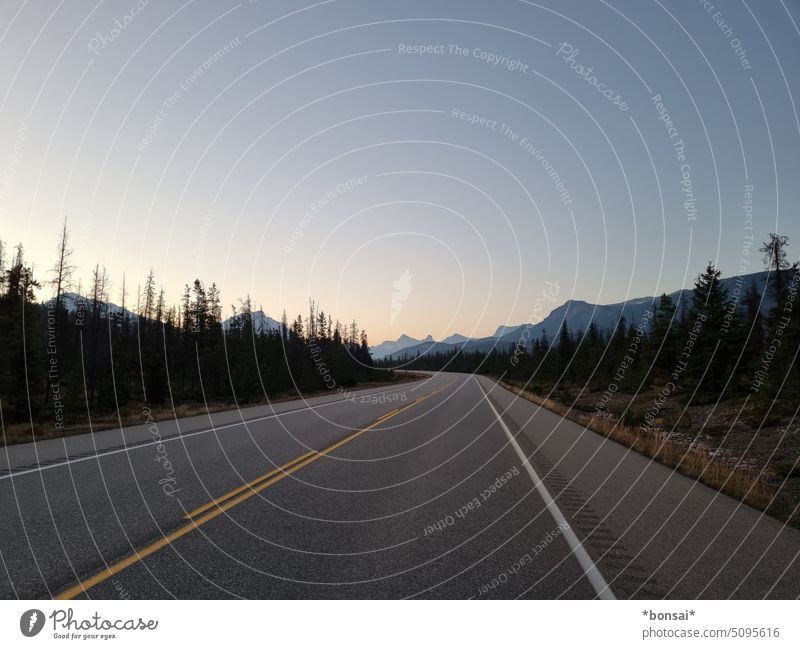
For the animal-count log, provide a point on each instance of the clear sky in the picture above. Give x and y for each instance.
(424, 167)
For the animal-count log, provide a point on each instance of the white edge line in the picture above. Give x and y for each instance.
(591, 571)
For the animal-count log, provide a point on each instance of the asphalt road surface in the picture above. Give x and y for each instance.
(449, 487)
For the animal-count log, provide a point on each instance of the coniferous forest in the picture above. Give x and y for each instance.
(77, 354)
(708, 383)
(715, 345)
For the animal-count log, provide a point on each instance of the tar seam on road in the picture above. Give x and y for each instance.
(220, 505)
(591, 571)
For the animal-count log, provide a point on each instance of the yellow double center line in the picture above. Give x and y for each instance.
(221, 504)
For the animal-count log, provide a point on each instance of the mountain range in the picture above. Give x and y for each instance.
(261, 320)
(389, 347)
(578, 315)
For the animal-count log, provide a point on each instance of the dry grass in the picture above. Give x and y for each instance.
(22, 432)
(691, 460)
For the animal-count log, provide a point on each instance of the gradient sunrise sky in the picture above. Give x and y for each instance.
(423, 167)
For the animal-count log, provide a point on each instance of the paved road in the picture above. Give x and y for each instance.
(419, 490)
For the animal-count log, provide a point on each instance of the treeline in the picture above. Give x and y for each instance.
(715, 345)
(68, 356)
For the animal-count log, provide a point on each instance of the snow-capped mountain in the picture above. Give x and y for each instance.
(261, 321)
(73, 301)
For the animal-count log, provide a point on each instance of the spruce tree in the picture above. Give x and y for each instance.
(713, 350)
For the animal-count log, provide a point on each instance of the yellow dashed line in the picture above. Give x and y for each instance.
(221, 504)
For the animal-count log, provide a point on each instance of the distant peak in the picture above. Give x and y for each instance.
(502, 329)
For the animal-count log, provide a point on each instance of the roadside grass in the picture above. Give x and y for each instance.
(22, 432)
(693, 461)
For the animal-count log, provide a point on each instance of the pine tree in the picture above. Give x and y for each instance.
(754, 330)
(21, 346)
(664, 337)
(565, 351)
(98, 312)
(713, 354)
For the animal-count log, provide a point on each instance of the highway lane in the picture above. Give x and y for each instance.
(428, 498)
(639, 518)
(352, 524)
(26, 456)
(72, 515)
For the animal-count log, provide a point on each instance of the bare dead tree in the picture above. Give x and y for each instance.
(62, 277)
(774, 250)
(64, 269)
